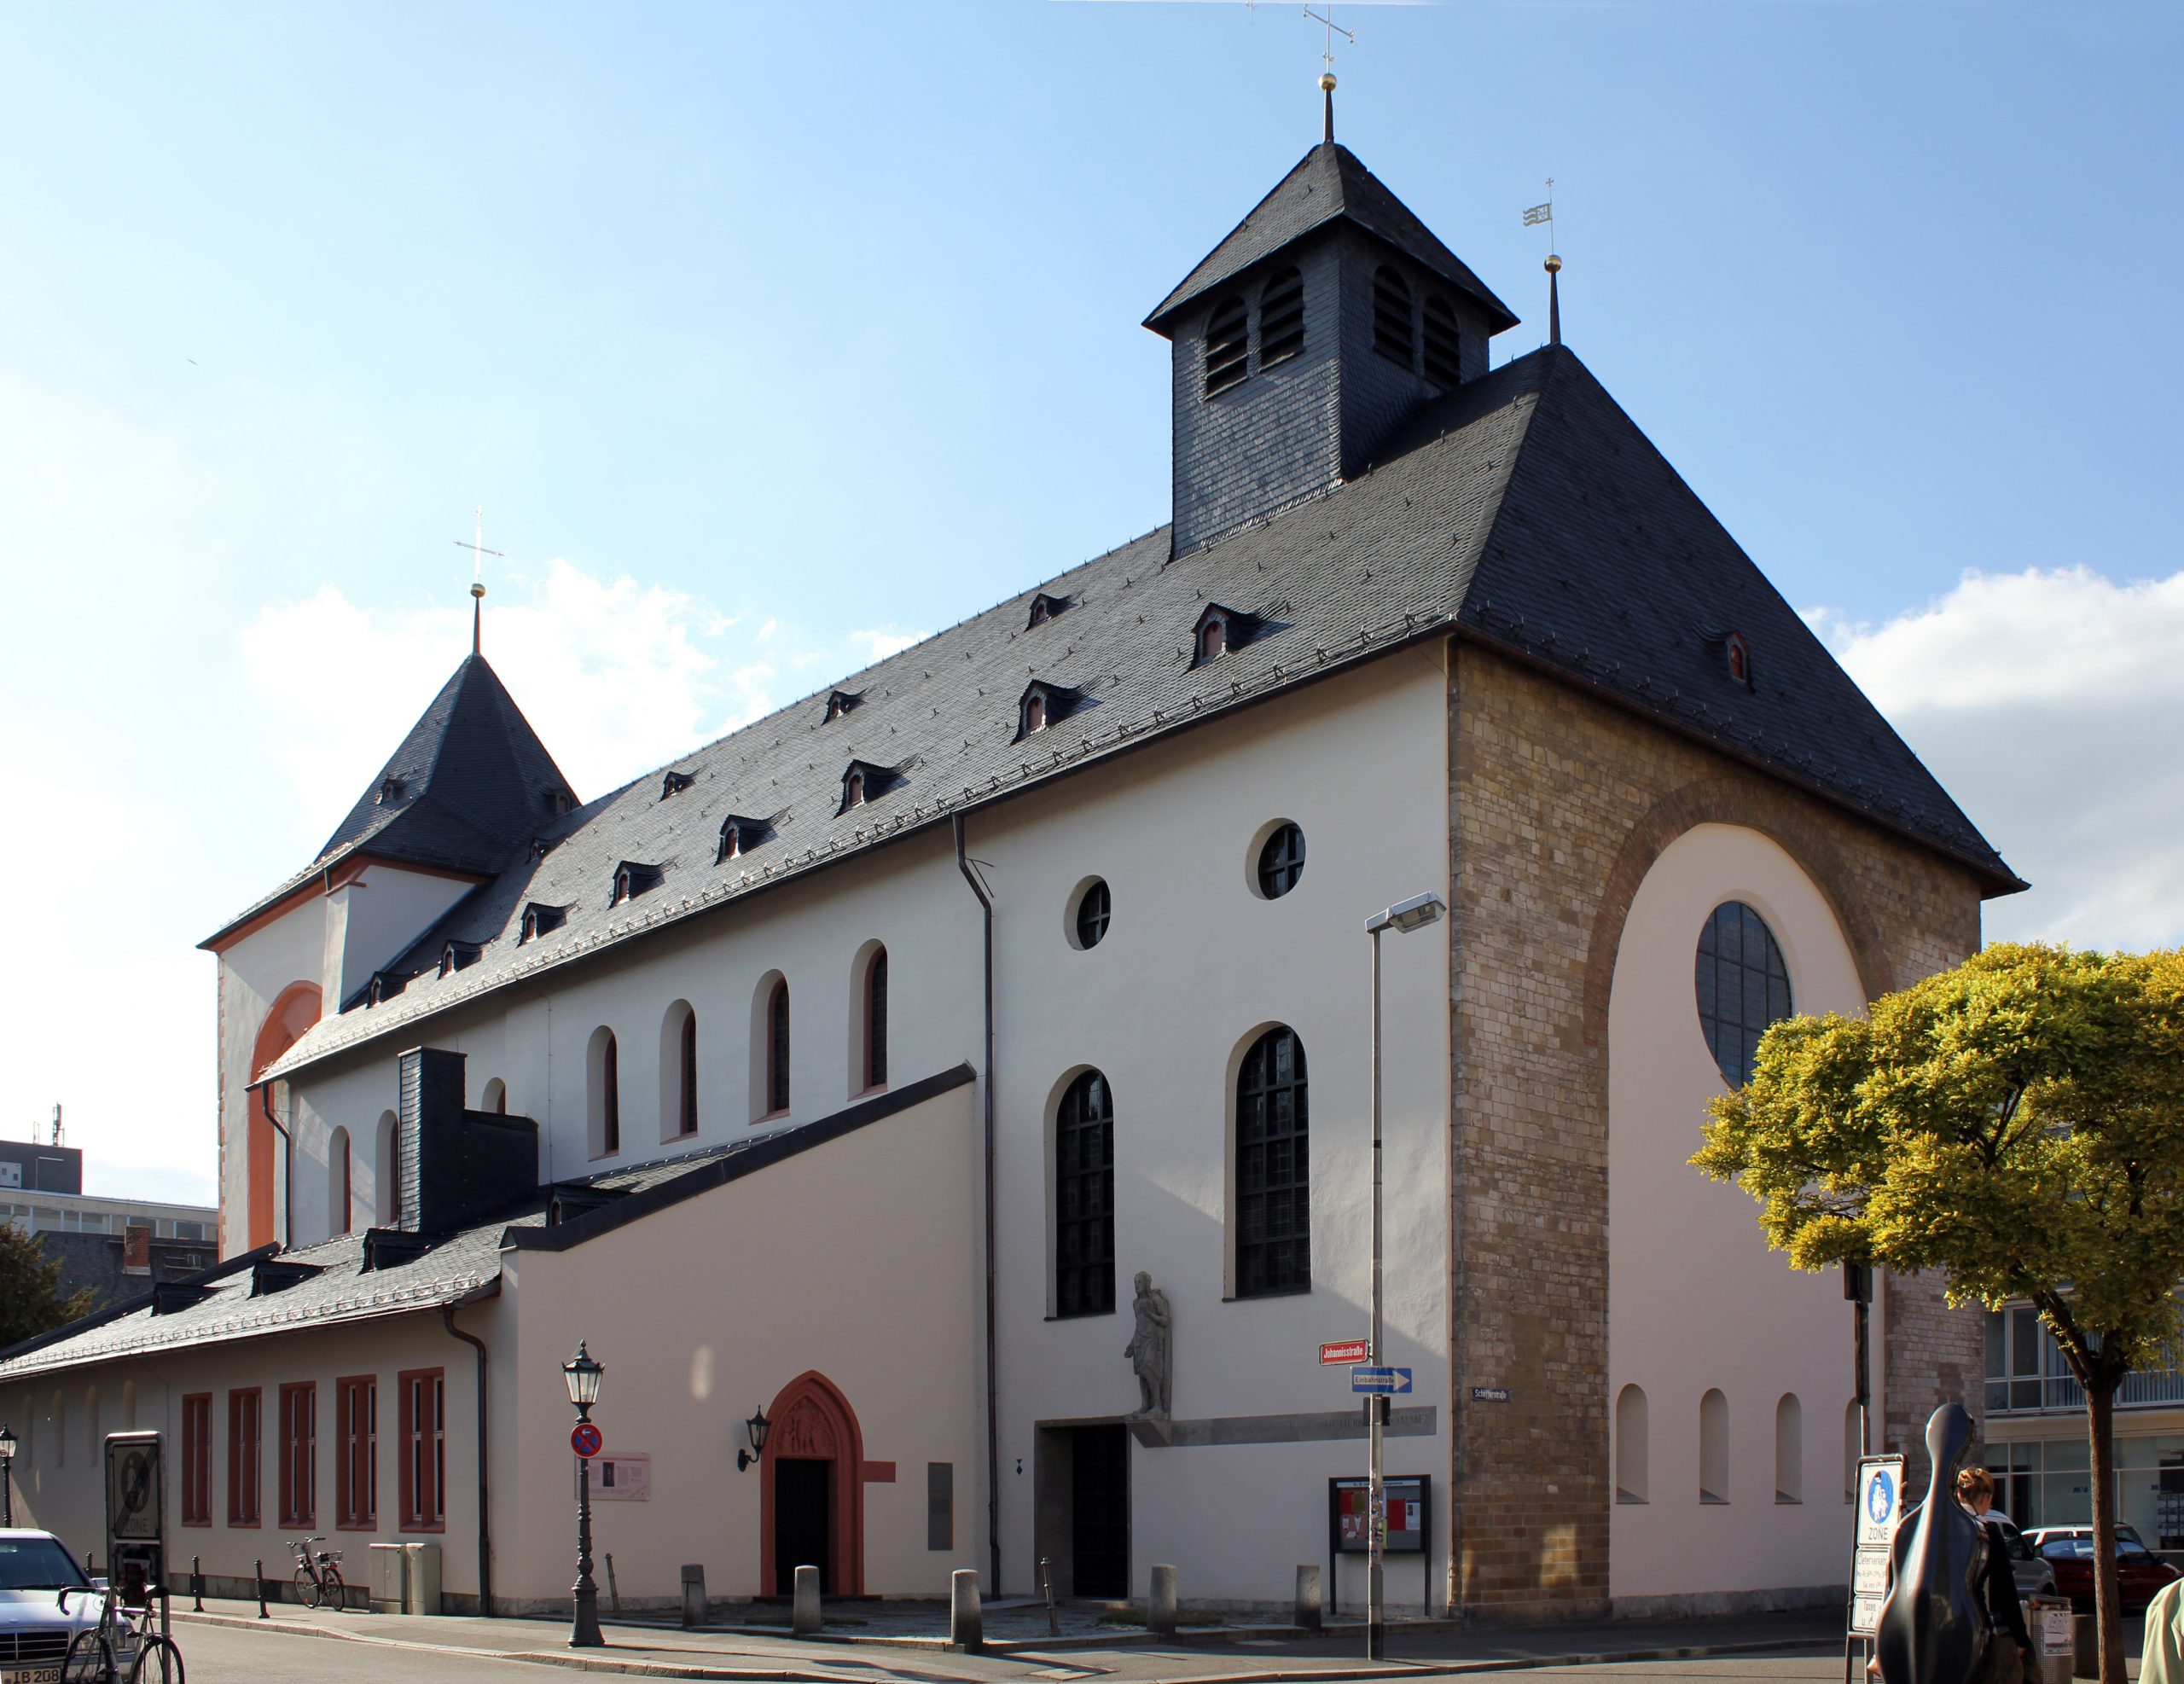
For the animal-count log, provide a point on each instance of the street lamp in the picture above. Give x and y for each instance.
(757, 1426)
(583, 1372)
(1403, 917)
(8, 1475)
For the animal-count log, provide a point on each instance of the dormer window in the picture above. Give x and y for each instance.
(1738, 654)
(675, 783)
(391, 791)
(1227, 345)
(1281, 318)
(1042, 705)
(632, 880)
(739, 835)
(540, 919)
(853, 790)
(840, 702)
(460, 957)
(540, 847)
(1034, 712)
(557, 801)
(863, 781)
(1044, 608)
(1212, 638)
(383, 987)
(1443, 344)
(1393, 335)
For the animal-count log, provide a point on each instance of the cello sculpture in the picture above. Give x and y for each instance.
(1933, 1623)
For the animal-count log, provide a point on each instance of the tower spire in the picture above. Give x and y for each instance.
(1327, 75)
(477, 546)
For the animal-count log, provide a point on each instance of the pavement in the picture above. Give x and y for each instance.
(866, 1644)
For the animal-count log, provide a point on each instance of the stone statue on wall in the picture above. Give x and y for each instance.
(1150, 1348)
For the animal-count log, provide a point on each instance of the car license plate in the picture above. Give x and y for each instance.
(31, 1675)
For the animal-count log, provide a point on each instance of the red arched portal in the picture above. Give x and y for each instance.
(295, 1011)
(811, 1488)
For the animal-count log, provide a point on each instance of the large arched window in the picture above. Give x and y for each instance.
(1630, 1446)
(603, 1081)
(777, 1047)
(875, 1019)
(339, 1184)
(1227, 345)
(1743, 987)
(679, 1072)
(1789, 1450)
(386, 1170)
(1273, 1180)
(1085, 1199)
(1714, 1448)
(1393, 335)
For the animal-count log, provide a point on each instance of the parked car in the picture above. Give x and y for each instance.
(2040, 1535)
(2033, 1573)
(45, 1598)
(2139, 1572)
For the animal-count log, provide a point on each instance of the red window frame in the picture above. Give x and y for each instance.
(246, 1437)
(197, 1458)
(356, 1475)
(424, 1449)
(300, 1454)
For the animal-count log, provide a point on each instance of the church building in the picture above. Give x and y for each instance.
(836, 1082)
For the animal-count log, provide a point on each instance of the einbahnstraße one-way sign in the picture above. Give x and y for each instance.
(1380, 1380)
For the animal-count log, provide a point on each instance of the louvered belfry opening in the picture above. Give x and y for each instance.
(1443, 363)
(1227, 345)
(1281, 318)
(1391, 325)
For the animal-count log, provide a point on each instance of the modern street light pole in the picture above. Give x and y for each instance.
(1402, 918)
(583, 1372)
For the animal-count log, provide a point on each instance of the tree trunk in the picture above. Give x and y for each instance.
(2107, 1594)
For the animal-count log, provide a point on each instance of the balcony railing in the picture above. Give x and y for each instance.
(2040, 1394)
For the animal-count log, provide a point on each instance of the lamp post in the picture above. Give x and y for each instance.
(582, 1371)
(7, 1476)
(1402, 918)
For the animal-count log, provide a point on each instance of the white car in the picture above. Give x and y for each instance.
(45, 1598)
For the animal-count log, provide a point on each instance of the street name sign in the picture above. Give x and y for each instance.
(1344, 1352)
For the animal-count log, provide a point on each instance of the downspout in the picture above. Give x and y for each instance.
(288, 1165)
(484, 1510)
(993, 1382)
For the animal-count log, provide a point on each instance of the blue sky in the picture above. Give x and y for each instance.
(769, 335)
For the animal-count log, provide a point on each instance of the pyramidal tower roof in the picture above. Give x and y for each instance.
(1327, 186)
(470, 784)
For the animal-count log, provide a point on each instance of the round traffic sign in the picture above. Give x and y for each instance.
(586, 1440)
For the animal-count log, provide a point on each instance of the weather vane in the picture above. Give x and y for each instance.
(477, 546)
(1327, 57)
(1533, 218)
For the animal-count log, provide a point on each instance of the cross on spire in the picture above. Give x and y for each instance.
(477, 546)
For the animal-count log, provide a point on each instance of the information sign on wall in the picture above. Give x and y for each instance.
(1410, 1514)
(623, 1477)
(1880, 1510)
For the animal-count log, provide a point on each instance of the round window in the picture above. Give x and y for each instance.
(1092, 911)
(1281, 861)
(1743, 987)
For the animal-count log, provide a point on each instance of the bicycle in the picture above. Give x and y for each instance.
(318, 1574)
(99, 1654)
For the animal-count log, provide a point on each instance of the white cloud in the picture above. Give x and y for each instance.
(878, 645)
(2049, 703)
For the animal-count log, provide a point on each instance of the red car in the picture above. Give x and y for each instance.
(2139, 1572)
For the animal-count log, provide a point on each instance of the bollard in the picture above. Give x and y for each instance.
(2048, 1618)
(966, 1626)
(261, 1566)
(1160, 1606)
(2087, 1646)
(1047, 1584)
(1308, 1617)
(197, 1583)
(694, 1593)
(614, 1591)
(804, 1617)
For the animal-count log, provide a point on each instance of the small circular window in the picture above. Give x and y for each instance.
(1093, 907)
(1281, 861)
(1743, 987)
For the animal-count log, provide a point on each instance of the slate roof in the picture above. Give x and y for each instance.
(460, 1268)
(1524, 510)
(1328, 185)
(473, 781)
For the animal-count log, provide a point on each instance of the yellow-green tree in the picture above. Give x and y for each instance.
(2016, 1123)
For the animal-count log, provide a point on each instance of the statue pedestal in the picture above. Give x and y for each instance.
(1154, 1432)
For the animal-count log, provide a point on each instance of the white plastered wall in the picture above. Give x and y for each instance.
(376, 915)
(252, 975)
(1696, 1301)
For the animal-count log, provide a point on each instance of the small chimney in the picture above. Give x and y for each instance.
(136, 1250)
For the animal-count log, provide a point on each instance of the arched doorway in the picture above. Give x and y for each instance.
(295, 1011)
(812, 1490)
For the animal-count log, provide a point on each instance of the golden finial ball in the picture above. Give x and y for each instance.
(1554, 263)
(478, 590)
(1326, 81)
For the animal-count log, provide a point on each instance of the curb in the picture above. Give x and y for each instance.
(791, 1675)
